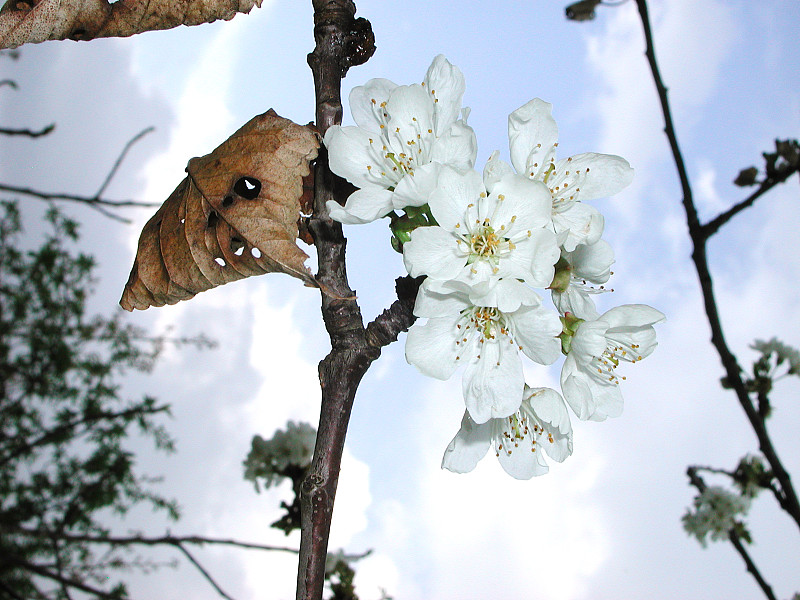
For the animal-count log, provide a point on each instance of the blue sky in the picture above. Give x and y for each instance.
(605, 523)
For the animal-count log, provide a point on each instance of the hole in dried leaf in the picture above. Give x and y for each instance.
(213, 219)
(79, 34)
(227, 200)
(247, 187)
(220, 261)
(256, 253)
(237, 246)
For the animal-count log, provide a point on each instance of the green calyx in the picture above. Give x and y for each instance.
(562, 276)
(403, 225)
(570, 324)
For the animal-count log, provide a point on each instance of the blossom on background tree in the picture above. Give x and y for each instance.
(489, 246)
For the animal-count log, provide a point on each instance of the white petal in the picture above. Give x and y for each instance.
(362, 206)
(432, 347)
(411, 112)
(592, 261)
(468, 446)
(576, 301)
(415, 190)
(607, 174)
(536, 329)
(532, 131)
(522, 463)
(495, 170)
(456, 146)
(366, 100)
(575, 387)
(528, 201)
(608, 401)
(583, 222)
(548, 405)
(533, 259)
(446, 83)
(632, 315)
(433, 251)
(493, 384)
(435, 302)
(454, 191)
(589, 341)
(350, 153)
(505, 294)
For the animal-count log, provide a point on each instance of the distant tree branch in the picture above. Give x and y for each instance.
(95, 202)
(66, 427)
(733, 536)
(203, 572)
(28, 132)
(710, 228)
(788, 498)
(43, 571)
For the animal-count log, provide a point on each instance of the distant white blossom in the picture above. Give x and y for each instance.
(715, 512)
(403, 134)
(783, 353)
(540, 425)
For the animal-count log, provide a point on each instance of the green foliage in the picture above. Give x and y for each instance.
(64, 468)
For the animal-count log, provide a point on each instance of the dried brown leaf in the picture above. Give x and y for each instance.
(235, 215)
(34, 21)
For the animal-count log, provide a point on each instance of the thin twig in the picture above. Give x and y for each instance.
(28, 132)
(121, 157)
(133, 540)
(734, 539)
(714, 224)
(787, 499)
(205, 573)
(44, 572)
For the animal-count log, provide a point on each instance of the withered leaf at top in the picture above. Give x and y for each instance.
(233, 216)
(34, 21)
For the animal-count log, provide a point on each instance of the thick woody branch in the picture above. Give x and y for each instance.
(699, 238)
(341, 42)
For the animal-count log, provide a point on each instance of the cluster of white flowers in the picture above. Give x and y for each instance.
(715, 514)
(486, 243)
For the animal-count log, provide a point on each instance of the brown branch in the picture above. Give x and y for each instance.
(44, 572)
(788, 499)
(341, 42)
(398, 317)
(134, 540)
(714, 224)
(734, 539)
(203, 572)
(28, 132)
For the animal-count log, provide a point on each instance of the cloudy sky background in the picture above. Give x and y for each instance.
(603, 525)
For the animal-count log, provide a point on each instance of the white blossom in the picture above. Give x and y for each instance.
(403, 134)
(487, 342)
(581, 275)
(589, 380)
(483, 239)
(715, 512)
(540, 425)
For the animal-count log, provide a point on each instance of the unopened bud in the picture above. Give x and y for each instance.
(582, 11)
(746, 177)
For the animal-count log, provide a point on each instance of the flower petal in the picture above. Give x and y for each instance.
(523, 463)
(468, 446)
(415, 190)
(362, 206)
(528, 202)
(410, 114)
(536, 329)
(495, 170)
(603, 175)
(583, 222)
(455, 190)
(456, 146)
(350, 152)
(575, 387)
(445, 82)
(366, 100)
(434, 252)
(493, 383)
(532, 133)
(431, 347)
